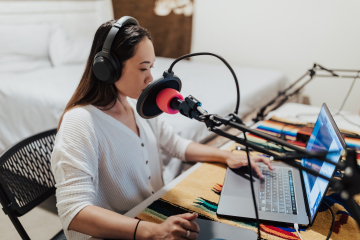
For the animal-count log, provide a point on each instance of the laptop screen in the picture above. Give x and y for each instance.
(323, 137)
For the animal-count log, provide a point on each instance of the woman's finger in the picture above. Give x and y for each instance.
(190, 225)
(188, 216)
(257, 169)
(266, 161)
(178, 232)
(238, 164)
(192, 235)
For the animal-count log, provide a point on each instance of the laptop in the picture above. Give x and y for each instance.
(286, 195)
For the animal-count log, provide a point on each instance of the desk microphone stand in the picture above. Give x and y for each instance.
(288, 93)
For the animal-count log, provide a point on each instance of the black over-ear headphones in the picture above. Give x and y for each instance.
(106, 66)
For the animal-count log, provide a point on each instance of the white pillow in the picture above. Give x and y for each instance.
(65, 50)
(20, 64)
(28, 40)
(24, 47)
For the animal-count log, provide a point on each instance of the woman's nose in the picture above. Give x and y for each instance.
(149, 79)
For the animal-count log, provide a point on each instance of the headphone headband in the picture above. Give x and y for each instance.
(106, 66)
(122, 22)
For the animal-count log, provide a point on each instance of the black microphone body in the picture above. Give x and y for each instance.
(175, 103)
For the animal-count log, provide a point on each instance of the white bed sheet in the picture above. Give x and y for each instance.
(33, 102)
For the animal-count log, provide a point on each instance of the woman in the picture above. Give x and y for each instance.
(106, 158)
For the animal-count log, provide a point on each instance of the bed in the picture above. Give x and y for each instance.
(40, 67)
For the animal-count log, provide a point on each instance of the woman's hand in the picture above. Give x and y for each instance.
(176, 227)
(236, 161)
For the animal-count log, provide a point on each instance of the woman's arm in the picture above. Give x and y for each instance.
(103, 223)
(99, 222)
(196, 152)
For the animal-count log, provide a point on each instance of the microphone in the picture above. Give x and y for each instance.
(163, 95)
(149, 105)
(168, 100)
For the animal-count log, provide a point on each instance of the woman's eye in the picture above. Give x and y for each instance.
(144, 69)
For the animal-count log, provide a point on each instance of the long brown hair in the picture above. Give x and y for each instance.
(93, 91)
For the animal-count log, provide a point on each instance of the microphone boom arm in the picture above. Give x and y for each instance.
(286, 94)
(348, 186)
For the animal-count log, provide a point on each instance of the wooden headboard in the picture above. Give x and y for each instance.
(169, 22)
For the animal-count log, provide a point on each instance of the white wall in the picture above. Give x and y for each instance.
(288, 36)
(76, 17)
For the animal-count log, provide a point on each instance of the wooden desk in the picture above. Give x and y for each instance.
(174, 194)
(321, 226)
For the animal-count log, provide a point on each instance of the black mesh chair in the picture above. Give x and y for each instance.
(26, 179)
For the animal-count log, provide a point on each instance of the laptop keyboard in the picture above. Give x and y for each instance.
(277, 192)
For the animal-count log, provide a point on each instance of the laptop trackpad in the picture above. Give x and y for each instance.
(238, 183)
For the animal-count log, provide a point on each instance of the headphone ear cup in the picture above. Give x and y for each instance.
(103, 69)
(117, 67)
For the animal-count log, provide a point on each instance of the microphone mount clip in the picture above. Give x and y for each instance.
(190, 107)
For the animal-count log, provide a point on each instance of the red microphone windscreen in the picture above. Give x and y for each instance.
(164, 97)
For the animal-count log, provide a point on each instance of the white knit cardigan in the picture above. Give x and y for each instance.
(99, 161)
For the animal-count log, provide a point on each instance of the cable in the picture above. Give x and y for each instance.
(296, 226)
(224, 61)
(347, 95)
(252, 189)
(332, 223)
(283, 137)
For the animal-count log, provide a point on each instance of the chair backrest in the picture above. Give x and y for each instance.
(26, 179)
